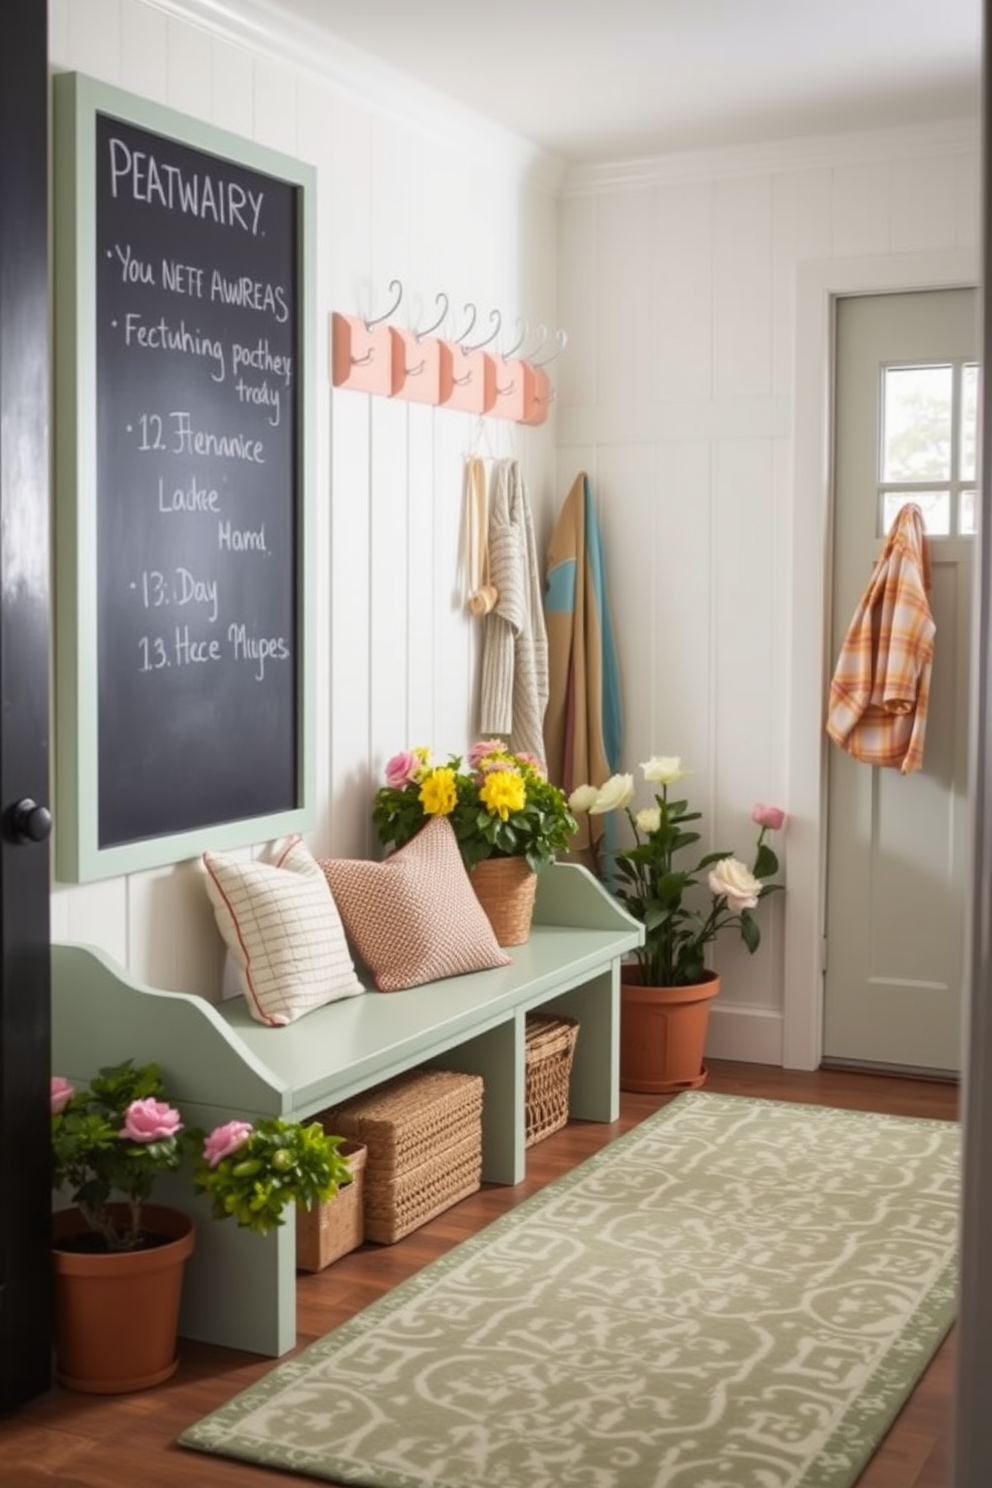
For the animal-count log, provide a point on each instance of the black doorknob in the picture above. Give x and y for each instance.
(29, 822)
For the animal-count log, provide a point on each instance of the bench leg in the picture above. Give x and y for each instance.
(497, 1056)
(240, 1289)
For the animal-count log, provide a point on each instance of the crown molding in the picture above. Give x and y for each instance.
(265, 28)
(950, 137)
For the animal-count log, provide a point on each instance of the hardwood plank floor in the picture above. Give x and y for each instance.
(80, 1441)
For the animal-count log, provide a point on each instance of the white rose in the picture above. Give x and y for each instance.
(648, 820)
(583, 798)
(614, 795)
(664, 768)
(734, 879)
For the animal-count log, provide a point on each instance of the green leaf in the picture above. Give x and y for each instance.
(750, 931)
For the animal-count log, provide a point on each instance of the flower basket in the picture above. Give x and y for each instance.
(506, 887)
(326, 1232)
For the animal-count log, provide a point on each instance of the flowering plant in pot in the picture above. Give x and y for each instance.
(120, 1135)
(653, 886)
(500, 804)
(118, 1258)
(665, 997)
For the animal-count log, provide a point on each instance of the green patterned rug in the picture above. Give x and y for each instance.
(736, 1294)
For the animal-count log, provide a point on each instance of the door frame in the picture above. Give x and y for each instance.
(819, 284)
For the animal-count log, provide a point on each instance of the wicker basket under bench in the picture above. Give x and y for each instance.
(423, 1134)
(221, 1066)
(550, 1050)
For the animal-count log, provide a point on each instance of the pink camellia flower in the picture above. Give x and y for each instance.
(479, 751)
(150, 1120)
(402, 769)
(771, 817)
(224, 1140)
(62, 1093)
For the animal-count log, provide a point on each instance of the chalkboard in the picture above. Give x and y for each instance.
(181, 487)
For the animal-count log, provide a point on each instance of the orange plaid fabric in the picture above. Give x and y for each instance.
(881, 685)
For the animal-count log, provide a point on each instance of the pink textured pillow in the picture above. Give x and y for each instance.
(414, 917)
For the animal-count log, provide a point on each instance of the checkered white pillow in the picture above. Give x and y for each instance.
(414, 917)
(284, 932)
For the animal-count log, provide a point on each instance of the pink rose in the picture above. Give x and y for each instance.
(402, 769)
(771, 817)
(150, 1120)
(62, 1093)
(479, 751)
(224, 1140)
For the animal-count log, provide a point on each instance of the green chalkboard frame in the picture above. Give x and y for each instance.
(79, 857)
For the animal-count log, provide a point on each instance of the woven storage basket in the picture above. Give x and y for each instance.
(505, 887)
(423, 1132)
(328, 1231)
(550, 1049)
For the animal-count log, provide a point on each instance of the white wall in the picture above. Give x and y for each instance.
(407, 189)
(678, 281)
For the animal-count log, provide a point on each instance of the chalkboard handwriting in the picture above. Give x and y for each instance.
(154, 654)
(241, 539)
(253, 294)
(164, 337)
(150, 180)
(260, 359)
(133, 270)
(261, 395)
(191, 498)
(188, 440)
(184, 589)
(257, 649)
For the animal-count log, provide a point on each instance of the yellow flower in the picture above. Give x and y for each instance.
(439, 793)
(504, 791)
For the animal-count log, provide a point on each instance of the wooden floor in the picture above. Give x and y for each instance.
(80, 1441)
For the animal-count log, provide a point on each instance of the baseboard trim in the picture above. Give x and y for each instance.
(751, 1034)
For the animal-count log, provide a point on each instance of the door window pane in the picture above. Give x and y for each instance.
(966, 517)
(935, 506)
(916, 423)
(969, 422)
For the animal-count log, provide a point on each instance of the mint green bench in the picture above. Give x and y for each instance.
(220, 1064)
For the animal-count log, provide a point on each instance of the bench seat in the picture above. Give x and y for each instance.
(220, 1064)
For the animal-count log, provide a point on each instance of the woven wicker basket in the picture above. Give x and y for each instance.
(328, 1231)
(423, 1132)
(505, 887)
(550, 1049)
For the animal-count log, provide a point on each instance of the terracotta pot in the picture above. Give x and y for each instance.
(663, 1033)
(506, 887)
(117, 1312)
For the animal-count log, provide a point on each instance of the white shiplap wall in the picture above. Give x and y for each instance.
(407, 188)
(698, 408)
(690, 391)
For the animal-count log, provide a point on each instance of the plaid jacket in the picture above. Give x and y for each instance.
(881, 686)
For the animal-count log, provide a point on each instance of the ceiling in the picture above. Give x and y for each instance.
(601, 80)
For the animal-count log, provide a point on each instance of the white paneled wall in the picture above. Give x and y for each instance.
(678, 279)
(685, 392)
(406, 189)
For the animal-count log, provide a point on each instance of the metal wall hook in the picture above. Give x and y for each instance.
(494, 315)
(396, 288)
(469, 307)
(429, 330)
(525, 332)
(562, 339)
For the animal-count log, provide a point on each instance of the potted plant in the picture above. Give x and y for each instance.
(119, 1258)
(666, 992)
(508, 819)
